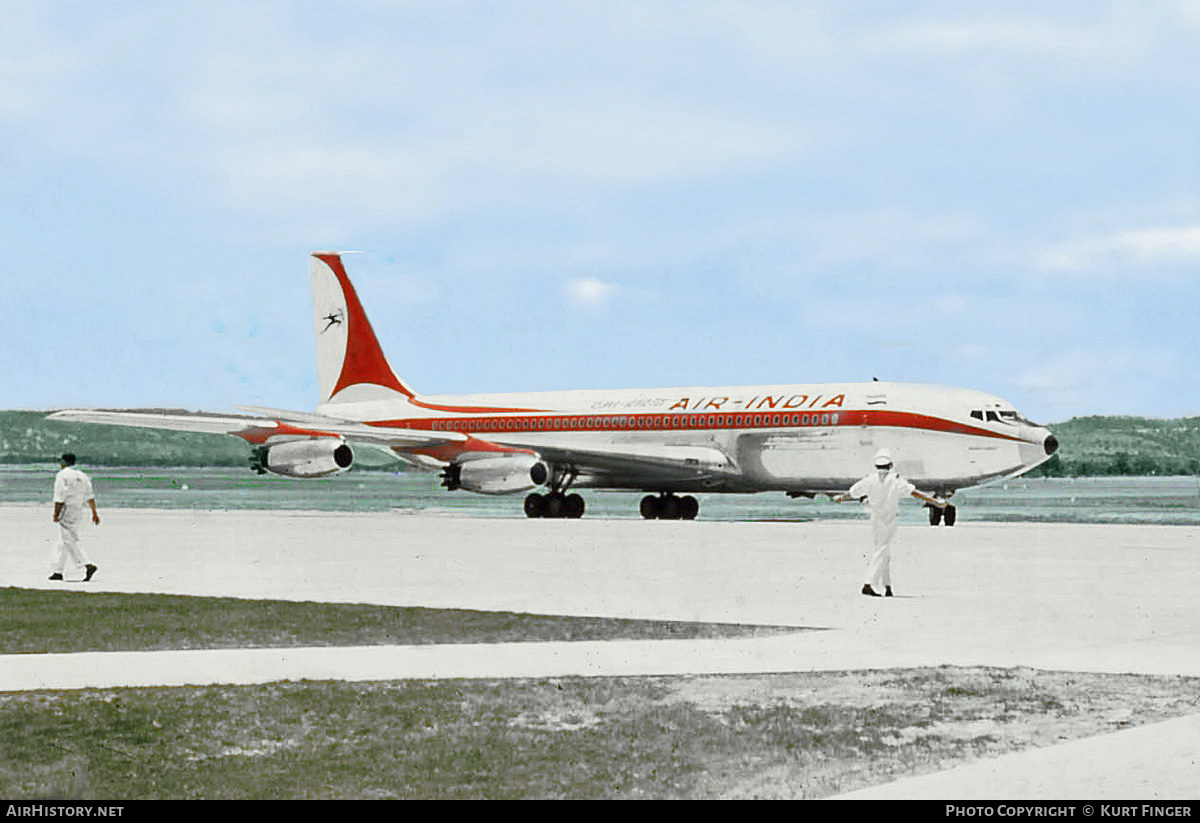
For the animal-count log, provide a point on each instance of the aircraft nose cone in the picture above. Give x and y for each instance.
(1050, 444)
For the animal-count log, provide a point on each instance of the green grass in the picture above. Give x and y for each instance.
(792, 735)
(801, 735)
(35, 621)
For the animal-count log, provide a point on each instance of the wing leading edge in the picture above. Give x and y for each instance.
(259, 430)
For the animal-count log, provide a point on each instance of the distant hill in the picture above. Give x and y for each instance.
(1089, 446)
(28, 437)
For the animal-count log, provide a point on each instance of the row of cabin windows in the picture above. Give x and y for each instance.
(637, 422)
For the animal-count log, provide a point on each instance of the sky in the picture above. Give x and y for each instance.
(1003, 196)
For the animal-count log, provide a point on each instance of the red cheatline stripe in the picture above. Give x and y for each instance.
(683, 422)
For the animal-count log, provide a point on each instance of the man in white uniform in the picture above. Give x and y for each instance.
(883, 490)
(72, 489)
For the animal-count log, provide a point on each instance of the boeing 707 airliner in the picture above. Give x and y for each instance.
(672, 443)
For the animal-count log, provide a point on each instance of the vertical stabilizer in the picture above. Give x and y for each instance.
(351, 366)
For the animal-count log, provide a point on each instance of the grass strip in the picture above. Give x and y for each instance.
(767, 736)
(36, 621)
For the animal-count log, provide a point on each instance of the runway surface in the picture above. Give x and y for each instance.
(1048, 596)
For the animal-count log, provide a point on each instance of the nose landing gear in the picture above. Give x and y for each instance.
(947, 516)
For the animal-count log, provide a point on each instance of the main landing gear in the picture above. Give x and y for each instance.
(669, 507)
(554, 504)
(946, 516)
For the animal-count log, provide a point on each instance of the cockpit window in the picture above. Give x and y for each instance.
(1009, 416)
(1015, 418)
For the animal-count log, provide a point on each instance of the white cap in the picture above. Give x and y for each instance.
(883, 458)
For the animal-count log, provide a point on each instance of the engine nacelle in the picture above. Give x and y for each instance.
(308, 458)
(499, 474)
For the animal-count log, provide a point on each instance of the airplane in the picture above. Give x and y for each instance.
(672, 443)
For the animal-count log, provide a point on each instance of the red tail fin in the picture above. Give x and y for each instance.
(348, 353)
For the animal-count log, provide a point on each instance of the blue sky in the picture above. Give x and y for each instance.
(1002, 196)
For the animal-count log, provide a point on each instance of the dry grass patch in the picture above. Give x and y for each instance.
(773, 736)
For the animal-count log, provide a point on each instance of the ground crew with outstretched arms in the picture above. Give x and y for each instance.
(883, 489)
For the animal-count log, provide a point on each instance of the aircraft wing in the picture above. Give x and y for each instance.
(626, 465)
(258, 430)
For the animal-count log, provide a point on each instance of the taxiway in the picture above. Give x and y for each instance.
(1047, 596)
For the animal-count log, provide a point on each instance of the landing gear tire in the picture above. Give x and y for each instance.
(554, 505)
(535, 505)
(689, 507)
(950, 515)
(669, 507)
(942, 517)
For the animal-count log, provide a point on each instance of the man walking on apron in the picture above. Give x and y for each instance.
(72, 490)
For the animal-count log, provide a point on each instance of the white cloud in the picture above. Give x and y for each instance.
(1031, 35)
(506, 151)
(34, 65)
(266, 110)
(589, 292)
(1113, 380)
(1167, 246)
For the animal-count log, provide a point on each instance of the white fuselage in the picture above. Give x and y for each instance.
(796, 438)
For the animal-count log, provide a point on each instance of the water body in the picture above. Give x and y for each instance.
(1157, 500)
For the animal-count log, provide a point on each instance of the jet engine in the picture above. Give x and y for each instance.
(496, 474)
(316, 457)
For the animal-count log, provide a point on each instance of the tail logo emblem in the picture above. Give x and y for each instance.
(334, 319)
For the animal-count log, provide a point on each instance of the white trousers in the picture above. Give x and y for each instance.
(879, 570)
(69, 521)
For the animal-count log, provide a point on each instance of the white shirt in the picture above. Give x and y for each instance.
(883, 496)
(72, 487)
